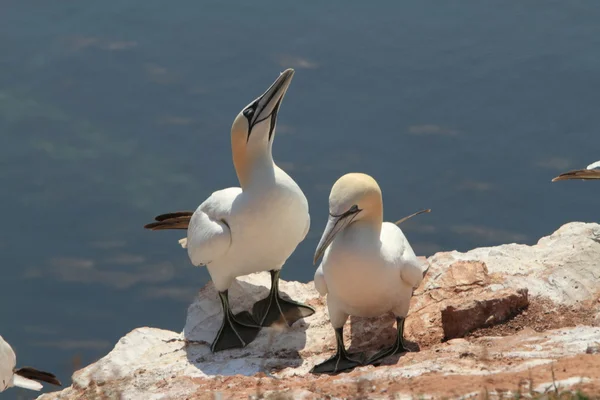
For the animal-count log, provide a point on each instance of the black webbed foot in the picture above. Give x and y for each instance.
(397, 348)
(236, 330)
(273, 308)
(341, 361)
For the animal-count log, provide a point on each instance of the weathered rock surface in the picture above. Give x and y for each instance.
(525, 312)
(497, 307)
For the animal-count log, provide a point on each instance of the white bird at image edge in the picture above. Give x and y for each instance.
(26, 377)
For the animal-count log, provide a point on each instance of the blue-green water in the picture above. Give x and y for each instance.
(114, 111)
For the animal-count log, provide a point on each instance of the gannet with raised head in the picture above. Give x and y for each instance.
(592, 171)
(368, 266)
(252, 228)
(25, 377)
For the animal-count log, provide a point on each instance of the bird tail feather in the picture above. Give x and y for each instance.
(584, 174)
(174, 220)
(26, 377)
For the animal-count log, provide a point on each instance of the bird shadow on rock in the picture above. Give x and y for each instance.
(369, 335)
(275, 348)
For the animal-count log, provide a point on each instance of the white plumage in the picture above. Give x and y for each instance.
(9, 375)
(252, 228)
(237, 232)
(594, 165)
(255, 227)
(368, 266)
(366, 273)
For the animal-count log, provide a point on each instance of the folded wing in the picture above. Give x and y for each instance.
(320, 283)
(209, 234)
(410, 266)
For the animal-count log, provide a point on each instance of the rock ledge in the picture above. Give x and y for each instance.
(503, 319)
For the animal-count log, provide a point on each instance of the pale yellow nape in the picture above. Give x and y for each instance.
(359, 189)
(241, 158)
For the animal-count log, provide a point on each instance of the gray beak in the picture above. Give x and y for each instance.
(268, 103)
(335, 224)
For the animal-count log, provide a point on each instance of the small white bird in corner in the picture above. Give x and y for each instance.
(256, 227)
(368, 267)
(591, 172)
(25, 377)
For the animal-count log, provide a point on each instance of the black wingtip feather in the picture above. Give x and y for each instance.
(159, 226)
(36, 375)
(181, 222)
(175, 214)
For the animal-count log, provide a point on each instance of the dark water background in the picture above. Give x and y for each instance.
(114, 111)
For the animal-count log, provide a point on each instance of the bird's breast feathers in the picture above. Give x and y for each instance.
(253, 222)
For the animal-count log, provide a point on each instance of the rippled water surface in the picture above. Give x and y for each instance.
(114, 111)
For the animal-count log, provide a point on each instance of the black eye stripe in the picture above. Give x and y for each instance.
(353, 210)
(274, 118)
(249, 114)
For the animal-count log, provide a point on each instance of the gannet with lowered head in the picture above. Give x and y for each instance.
(25, 377)
(252, 228)
(591, 172)
(368, 266)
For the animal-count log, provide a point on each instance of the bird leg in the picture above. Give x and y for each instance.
(236, 330)
(397, 348)
(342, 360)
(273, 308)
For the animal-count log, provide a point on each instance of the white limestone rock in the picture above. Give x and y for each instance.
(148, 364)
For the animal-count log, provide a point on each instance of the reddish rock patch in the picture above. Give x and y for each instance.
(432, 384)
(460, 319)
(542, 315)
(459, 300)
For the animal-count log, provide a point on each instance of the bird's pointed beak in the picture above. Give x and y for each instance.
(335, 224)
(578, 174)
(268, 103)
